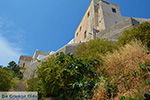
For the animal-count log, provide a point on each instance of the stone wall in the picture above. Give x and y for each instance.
(24, 62)
(99, 16)
(114, 32)
(71, 48)
(142, 19)
(38, 53)
(31, 71)
(86, 25)
(109, 15)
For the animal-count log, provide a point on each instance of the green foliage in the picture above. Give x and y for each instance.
(94, 48)
(140, 32)
(127, 98)
(15, 69)
(144, 71)
(111, 90)
(35, 84)
(5, 80)
(1, 66)
(68, 77)
(32, 84)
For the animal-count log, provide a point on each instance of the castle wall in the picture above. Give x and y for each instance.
(142, 19)
(114, 32)
(99, 16)
(39, 53)
(31, 71)
(71, 48)
(84, 30)
(24, 62)
(110, 14)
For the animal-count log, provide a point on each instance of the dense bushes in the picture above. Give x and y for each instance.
(94, 48)
(140, 32)
(32, 84)
(127, 71)
(14, 69)
(9, 76)
(67, 77)
(5, 80)
(119, 71)
(124, 72)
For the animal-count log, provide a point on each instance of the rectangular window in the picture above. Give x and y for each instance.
(88, 14)
(23, 64)
(77, 34)
(80, 28)
(114, 10)
(85, 34)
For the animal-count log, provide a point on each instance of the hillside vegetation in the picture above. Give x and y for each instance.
(125, 73)
(9, 76)
(100, 70)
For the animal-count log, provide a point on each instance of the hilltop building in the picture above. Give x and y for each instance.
(101, 20)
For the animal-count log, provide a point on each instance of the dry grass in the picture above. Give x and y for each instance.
(100, 93)
(129, 55)
(121, 67)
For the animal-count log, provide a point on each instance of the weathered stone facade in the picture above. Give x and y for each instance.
(30, 63)
(24, 62)
(101, 20)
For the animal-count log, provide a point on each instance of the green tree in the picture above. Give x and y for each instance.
(95, 48)
(67, 77)
(5, 80)
(12, 66)
(140, 32)
(1, 66)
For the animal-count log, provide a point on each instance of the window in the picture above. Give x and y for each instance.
(23, 64)
(80, 28)
(114, 10)
(88, 14)
(77, 34)
(85, 34)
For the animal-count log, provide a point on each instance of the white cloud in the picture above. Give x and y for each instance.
(10, 40)
(8, 52)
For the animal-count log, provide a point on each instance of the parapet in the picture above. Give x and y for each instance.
(109, 3)
(26, 58)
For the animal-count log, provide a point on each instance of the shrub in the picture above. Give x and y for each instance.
(126, 71)
(5, 80)
(94, 48)
(32, 84)
(15, 69)
(140, 32)
(68, 77)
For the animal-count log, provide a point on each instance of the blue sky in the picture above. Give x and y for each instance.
(47, 25)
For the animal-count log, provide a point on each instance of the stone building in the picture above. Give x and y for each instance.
(24, 62)
(30, 63)
(101, 20)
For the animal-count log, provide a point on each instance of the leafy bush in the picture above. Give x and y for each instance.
(94, 48)
(67, 77)
(5, 80)
(15, 69)
(140, 32)
(32, 84)
(127, 98)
